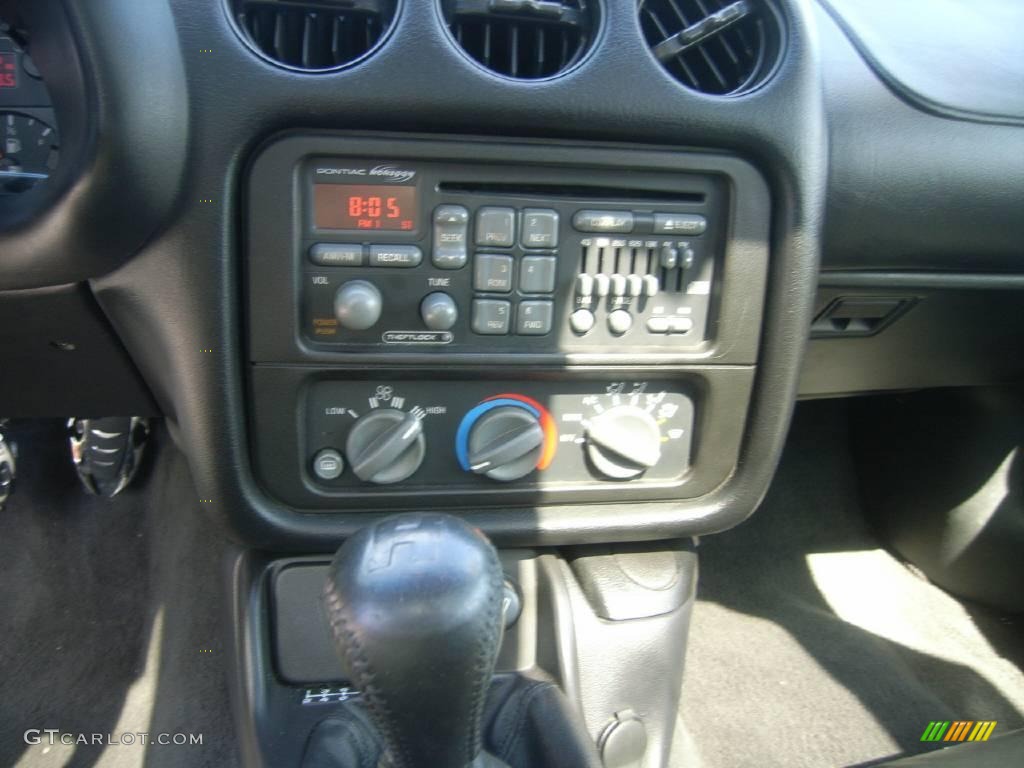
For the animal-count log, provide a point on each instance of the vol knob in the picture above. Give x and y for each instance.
(505, 443)
(386, 446)
(358, 305)
(623, 442)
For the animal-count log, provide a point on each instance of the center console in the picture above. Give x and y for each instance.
(440, 324)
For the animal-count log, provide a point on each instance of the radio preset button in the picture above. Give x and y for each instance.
(439, 311)
(534, 318)
(491, 317)
(492, 273)
(581, 321)
(537, 274)
(619, 321)
(395, 256)
(540, 228)
(618, 285)
(602, 284)
(651, 286)
(603, 221)
(634, 285)
(496, 226)
(584, 286)
(657, 325)
(336, 255)
(451, 233)
(679, 223)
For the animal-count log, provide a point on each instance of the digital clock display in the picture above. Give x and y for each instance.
(8, 70)
(357, 206)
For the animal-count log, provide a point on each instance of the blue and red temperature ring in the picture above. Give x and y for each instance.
(547, 423)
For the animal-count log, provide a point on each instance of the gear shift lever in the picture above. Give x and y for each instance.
(414, 605)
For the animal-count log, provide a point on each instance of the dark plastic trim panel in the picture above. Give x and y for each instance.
(180, 295)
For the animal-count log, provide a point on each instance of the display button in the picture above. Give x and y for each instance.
(657, 325)
(328, 464)
(395, 256)
(581, 321)
(337, 254)
(496, 226)
(679, 223)
(620, 321)
(451, 228)
(540, 228)
(534, 318)
(537, 274)
(491, 317)
(680, 325)
(603, 221)
(492, 273)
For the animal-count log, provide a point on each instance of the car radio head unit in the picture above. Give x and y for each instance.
(475, 258)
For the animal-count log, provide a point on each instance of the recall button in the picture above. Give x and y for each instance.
(395, 256)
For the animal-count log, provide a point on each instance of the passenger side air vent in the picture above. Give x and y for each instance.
(524, 39)
(313, 35)
(719, 47)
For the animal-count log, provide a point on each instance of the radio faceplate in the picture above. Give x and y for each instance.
(441, 257)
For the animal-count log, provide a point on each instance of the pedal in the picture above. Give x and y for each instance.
(8, 469)
(107, 452)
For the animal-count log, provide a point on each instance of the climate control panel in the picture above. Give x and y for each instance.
(474, 433)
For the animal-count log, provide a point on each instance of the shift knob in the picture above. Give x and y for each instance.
(414, 606)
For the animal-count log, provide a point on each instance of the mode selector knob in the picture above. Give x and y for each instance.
(623, 442)
(386, 446)
(358, 305)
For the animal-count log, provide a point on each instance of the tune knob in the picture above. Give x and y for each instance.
(506, 438)
(358, 305)
(386, 446)
(623, 442)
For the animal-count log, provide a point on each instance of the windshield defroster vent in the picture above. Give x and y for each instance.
(718, 47)
(523, 39)
(313, 35)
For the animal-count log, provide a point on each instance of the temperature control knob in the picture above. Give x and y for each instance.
(358, 305)
(385, 446)
(506, 437)
(505, 444)
(623, 442)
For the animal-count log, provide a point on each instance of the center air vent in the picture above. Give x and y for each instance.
(718, 47)
(524, 39)
(313, 35)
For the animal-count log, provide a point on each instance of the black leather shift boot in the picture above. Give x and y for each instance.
(527, 724)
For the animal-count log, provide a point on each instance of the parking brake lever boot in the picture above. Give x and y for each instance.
(414, 605)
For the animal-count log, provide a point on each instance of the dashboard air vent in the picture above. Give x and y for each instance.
(523, 39)
(719, 47)
(313, 35)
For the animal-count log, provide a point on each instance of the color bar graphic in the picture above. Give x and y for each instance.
(958, 730)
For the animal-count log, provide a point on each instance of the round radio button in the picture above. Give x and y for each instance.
(358, 305)
(328, 464)
(620, 321)
(439, 311)
(581, 321)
